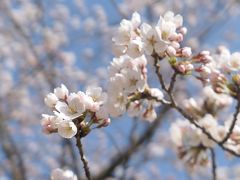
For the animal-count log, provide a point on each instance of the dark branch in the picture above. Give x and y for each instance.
(157, 71)
(83, 159)
(172, 83)
(233, 123)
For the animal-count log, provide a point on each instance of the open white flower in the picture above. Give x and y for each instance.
(72, 109)
(166, 28)
(135, 48)
(134, 80)
(176, 19)
(117, 104)
(97, 94)
(67, 129)
(116, 84)
(102, 113)
(116, 66)
(152, 40)
(126, 35)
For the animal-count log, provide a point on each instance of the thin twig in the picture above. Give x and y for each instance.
(214, 166)
(233, 123)
(83, 159)
(157, 71)
(172, 83)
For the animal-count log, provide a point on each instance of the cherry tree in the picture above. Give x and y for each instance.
(125, 96)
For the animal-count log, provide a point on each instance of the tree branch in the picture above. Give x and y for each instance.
(172, 83)
(83, 159)
(157, 71)
(233, 123)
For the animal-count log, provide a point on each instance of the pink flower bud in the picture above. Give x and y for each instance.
(179, 38)
(175, 45)
(186, 52)
(183, 30)
(171, 51)
(173, 37)
(189, 67)
(181, 68)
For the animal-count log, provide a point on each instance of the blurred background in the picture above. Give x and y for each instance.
(44, 43)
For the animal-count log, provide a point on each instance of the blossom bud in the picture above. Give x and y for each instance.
(189, 67)
(51, 100)
(183, 30)
(175, 45)
(181, 68)
(105, 123)
(171, 51)
(173, 37)
(179, 37)
(186, 52)
(203, 57)
(61, 92)
(204, 71)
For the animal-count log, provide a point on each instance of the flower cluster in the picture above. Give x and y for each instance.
(135, 38)
(210, 102)
(225, 72)
(71, 111)
(221, 70)
(128, 89)
(191, 142)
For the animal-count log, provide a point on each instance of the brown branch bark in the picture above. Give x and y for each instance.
(83, 159)
(232, 124)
